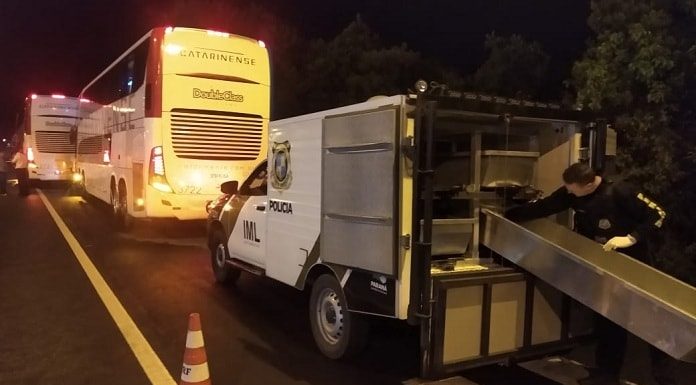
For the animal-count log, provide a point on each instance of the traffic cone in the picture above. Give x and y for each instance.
(195, 368)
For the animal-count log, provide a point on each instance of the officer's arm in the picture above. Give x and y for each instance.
(648, 214)
(554, 203)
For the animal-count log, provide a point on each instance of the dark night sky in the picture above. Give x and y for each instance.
(59, 45)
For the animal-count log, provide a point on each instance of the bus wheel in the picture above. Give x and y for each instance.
(337, 332)
(224, 273)
(122, 220)
(114, 201)
(79, 187)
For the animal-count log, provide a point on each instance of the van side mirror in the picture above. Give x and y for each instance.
(229, 187)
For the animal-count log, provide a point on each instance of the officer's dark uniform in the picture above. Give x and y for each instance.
(613, 209)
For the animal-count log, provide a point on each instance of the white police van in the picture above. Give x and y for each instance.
(375, 206)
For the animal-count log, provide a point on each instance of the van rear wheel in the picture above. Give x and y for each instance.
(337, 332)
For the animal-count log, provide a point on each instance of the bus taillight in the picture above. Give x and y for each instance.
(107, 157)
(30, 155)
(157, 177)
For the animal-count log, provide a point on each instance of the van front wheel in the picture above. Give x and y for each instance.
(224, 273)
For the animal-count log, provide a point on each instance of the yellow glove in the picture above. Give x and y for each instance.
(619, 243)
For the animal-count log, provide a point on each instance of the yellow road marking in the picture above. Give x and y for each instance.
(148, 359)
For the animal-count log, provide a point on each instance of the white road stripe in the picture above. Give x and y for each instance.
(148, 359)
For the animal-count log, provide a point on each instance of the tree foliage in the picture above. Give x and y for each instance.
(356, 65)
(514, 67)
(640, 68)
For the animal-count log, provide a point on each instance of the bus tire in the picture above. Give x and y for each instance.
(337, 332)
(79, 187)
(122, 220)
(224, 273)
(85, 193)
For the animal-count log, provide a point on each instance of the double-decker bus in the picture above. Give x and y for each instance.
(48, 121)
(180, 112)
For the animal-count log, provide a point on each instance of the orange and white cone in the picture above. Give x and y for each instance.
(195, 368)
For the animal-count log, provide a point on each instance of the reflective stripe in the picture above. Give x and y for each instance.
(345, 277)
(652, 205)
(194, 373)
(194, 339)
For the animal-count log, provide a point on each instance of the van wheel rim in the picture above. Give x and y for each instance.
(329, 316)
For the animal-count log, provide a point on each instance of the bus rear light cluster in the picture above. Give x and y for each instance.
(106, 158)
(157, 175)
(30, 155)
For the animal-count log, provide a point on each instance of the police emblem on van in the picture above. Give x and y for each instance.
(281, 174)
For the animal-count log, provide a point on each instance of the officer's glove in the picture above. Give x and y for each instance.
(619, 243)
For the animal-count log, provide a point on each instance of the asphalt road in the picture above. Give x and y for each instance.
(55, 329)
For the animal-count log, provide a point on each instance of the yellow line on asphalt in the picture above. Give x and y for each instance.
(148, 359)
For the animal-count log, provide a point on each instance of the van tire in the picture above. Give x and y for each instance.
(337, 332)
(224, 273)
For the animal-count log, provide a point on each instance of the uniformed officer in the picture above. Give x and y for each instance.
(618, 216)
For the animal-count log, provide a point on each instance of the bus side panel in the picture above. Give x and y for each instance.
(92, 142)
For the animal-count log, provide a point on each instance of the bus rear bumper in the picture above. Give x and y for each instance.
(50, 174)
(179, 206)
